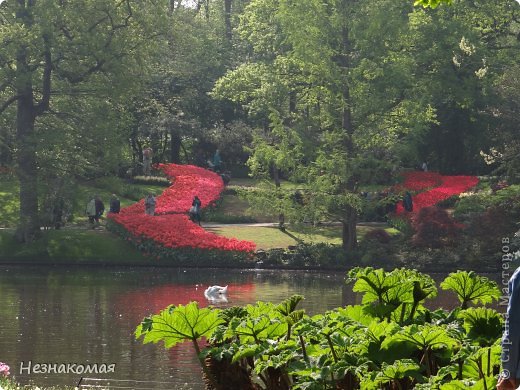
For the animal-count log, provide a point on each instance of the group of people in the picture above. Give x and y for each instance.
(96, 208)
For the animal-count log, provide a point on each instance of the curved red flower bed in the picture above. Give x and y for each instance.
(171, 227)
(189, 181)
(448, 186)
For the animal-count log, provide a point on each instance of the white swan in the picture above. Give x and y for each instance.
(216, 294)
(215, 290)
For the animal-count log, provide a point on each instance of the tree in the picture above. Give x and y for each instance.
(313, 82)
(59, 50)
(432, 3)
(459, 51)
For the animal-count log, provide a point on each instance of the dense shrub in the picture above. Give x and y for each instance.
(449, 202)
(494, 222)
(468, 205)
(377, 209)
(435, 228)
(379, 235)
(402, 224)
(310, 256)
(151, 180)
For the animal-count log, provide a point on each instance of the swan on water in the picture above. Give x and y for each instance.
(215, 290)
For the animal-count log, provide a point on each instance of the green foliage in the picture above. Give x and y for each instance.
(403, 225)
(9, 203)
(74, 246)
(470, 287)
(310, 256)
(476, 203)
(177, 324)
(483, 325)
(398, 294)
(432, 3)
(346, 348)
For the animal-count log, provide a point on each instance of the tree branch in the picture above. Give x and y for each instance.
(8, 102)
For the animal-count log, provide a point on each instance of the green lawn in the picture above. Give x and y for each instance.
(272, 237)
(258, 183)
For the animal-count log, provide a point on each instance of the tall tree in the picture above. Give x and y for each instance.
(311, 67)
(61, 48)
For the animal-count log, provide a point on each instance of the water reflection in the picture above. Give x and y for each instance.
(88, 315)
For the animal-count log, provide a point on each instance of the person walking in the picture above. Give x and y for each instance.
(100, 209)
(115, 204)
(407, 201)
(195, 210)
(147, 161)
(90, 210)
(217, 161)
(94, 210)
(149, 204)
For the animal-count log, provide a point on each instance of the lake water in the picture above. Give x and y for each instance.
(87, 315)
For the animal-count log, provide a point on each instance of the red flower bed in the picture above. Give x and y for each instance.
(171, 227)
(417, 181)
(449, 186)
(188, 181)
(177, 231)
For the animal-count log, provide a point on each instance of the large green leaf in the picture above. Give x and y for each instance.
(471, 287)
(483, 325)
(425, 336)
(400, 369)
(176, 324)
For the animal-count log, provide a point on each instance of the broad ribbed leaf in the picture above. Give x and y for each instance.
(471, 287)
(177, 324)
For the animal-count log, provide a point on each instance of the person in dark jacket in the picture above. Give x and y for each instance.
(407, 201)
(100, 209)
(115, 204)
(195, 210)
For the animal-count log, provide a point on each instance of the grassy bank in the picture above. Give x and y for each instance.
(70, 246)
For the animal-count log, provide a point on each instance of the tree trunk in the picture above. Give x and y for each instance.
(29, 226)
(227, 18)
(175, 146)
(276, 178)
(349, 233)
